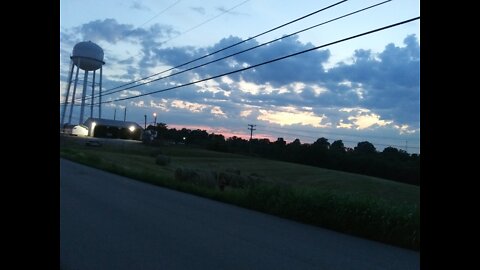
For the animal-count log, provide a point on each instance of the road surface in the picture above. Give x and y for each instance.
(112, 222)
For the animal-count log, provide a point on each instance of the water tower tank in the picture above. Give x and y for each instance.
(87, 56)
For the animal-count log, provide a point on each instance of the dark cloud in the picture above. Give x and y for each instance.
(391, 80)
(111, 31)
(279, 73)
(386, 83)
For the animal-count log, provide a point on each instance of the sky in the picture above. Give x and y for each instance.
(363, 89)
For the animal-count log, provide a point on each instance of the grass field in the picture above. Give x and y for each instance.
(366, 206)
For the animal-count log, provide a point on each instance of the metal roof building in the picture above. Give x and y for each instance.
(107, 128)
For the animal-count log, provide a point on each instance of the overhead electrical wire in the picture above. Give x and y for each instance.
(106, 92)
(149, 20)
(273, 60)
(160, 13)
(202, 23)
(246, 50)
(228, 47)
(266, 62)
(207, 21)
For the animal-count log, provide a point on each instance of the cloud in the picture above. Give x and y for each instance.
(162, 105)
(276, 74)
(367, 120)
(191, 106)
(376, 90)
(361, 118)
(139, 104)
(245, 113)
(118, 40)
(129, 93)
(217, 111)
(390, 80)
(111, 31)
(341, 124)
(290, 116)
(405, 129)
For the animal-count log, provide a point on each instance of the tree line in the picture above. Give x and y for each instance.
(391, 163)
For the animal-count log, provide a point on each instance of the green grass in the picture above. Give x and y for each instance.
(365, 206)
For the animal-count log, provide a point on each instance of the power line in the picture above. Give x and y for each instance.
(160, 13)
(228, 47)
(267, 62)
(207, 21)
(149, 20)
(249, 49)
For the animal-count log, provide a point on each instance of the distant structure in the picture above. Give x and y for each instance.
(86, 56)
(114, 129)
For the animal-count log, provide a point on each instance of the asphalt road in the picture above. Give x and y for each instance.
(112, 222)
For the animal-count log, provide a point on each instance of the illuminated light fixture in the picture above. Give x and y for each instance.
(92, 128)
(132, 128)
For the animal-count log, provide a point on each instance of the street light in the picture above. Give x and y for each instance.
(155, 121)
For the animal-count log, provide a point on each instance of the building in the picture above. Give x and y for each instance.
(75, 130)
(107, 128)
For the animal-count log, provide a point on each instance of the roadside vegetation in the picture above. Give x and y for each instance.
(365, 206)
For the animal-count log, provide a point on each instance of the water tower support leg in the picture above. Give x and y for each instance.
(93, 97)
(100, 96)
(67, 94)
(73, 97)
(84, 93)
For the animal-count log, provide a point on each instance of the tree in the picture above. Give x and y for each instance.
(280, 142)
(162, 126)
(296, 142)
(217, 142)
(337, 147)
(321, 143)
(161, 130)
(365, 148)
(395, 154)
(390, 151)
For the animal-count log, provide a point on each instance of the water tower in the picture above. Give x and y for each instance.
(86, 56)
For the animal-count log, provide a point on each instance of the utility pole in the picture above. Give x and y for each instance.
(251, 130)
(145, 121)
(125, 114)
(115, 114)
